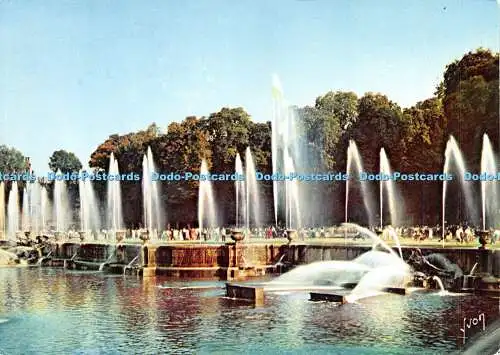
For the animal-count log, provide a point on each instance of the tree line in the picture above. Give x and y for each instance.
(465, 105)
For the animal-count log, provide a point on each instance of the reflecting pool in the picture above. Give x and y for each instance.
(55, 311)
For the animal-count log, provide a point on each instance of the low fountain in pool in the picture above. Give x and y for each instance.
(370, 273)
(8, 258)
(442, 290)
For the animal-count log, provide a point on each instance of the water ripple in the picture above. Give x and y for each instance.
(91, 313)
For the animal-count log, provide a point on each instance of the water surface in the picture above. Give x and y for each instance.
(54, 311)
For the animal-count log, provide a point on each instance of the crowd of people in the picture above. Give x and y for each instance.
(458, 233)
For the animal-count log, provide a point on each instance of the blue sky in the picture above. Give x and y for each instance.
(74, 72)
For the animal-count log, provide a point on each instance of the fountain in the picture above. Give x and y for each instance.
(2, 210)
(152, 211)
(206, 203)
(251, 192)
(114, 206)
(61, 205)
(13, 212)
(438, 265)
(471, 273)
(26, 211)
(453, 152)
(287, 157)
(353, 156)
(277, 97)
(45, 208)
(332, 273)
(32, 210)
(240, 193)
(376, 240)
(382, 278)
(292, 216)
(489, 187)
(35, 207)
(394, 236)
(369, 274)
(372, 272)
(442, 290)
(385, 169)
(89, 217)
(111, 256)
(8, 258)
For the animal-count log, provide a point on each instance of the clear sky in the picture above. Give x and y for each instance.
(74, 72)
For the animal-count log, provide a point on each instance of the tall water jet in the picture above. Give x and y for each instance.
(61, 204)
(2, 210)
(114, 206)
(353, 156)
(206, 202)
(89, 215)
(292, 208)
(489, 187)
(152, 210)
(240, 190)
(252, 191)
(26, 210)
(288, 155)
(13, 212)
(44, 208)
(34, 193)
(453, 152)
(385, 169)
(277, 105)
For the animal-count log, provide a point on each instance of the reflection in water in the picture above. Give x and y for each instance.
(60, 311)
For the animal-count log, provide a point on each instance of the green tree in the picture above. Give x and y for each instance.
(481, 62)
(260, 143)
(181, 150)
(425, 137)
(380, 124)
(470, 98)
(425, 141)
(342, 105)
(64, 161)
(325, 123)
(12, 160)
(129, 150)
(228, 133)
